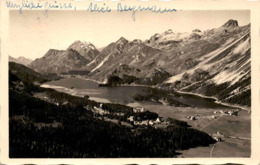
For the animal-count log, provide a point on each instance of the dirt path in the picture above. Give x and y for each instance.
(211, 151)
(210, 123)
(241, 138)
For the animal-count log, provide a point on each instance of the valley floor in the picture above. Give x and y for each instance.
(236, 130)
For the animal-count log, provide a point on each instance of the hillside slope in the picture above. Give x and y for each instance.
(59, 61)
(26, 74)
(224, 73)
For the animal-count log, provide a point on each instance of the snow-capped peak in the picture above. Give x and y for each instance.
(83, 45)
(168, 36)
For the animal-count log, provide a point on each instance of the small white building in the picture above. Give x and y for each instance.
(158, 120)
(46, 98)
(218, 139)
(192, 118)
(230, 113)
(101, 105)
(120, 114)
(233, 112)
(220, 133)
(138, 109)
(151, 122)
(100, 111)
(144, 122)
(131, 118)
(137, 123)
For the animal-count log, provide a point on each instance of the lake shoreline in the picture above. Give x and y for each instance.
(69, 91)
(217, 101)
(245, 108)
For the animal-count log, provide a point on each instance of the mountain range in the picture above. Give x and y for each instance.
(20, 60)
(214, 62)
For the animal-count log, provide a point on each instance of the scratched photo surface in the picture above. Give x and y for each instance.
(129, 84)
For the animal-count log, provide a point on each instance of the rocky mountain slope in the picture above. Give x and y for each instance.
(76, 57)
(87, 50)
(124, 54)
(59, 61)
(20, 60)
(173, 52)
(224, 73)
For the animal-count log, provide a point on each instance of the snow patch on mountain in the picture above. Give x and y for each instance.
(135, 60)
(82, 44)
(231, 77)
(238, 91)
(93, 61)
(204, 64)
(173, 36)
(243, 47)
(101, 63)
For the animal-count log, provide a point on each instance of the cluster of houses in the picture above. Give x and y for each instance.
(229, 112)
(218, 136)
(138, 109)
(144, 122)
(138, 121)
(193, 117)
(99, 110)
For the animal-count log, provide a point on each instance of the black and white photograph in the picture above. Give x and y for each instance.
(95, 85)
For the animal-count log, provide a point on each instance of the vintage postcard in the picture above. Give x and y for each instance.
(130, 82)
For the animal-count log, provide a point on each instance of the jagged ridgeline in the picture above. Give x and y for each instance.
(215, 62)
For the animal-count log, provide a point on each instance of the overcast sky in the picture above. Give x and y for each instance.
(31, 34)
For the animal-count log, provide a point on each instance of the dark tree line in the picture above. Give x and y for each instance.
(82, 135)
